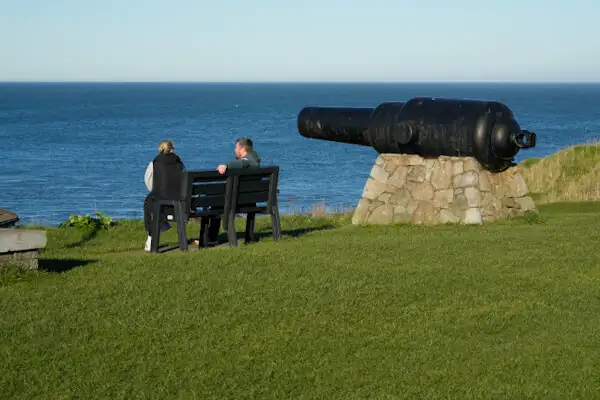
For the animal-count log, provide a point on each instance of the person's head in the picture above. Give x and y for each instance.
(166, 146)
(243, 146)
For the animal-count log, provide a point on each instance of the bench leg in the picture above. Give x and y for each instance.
(226, 223)
(203, 237)
(181, 232)
(231, 233)
(276, 224)
(155, 233)
(249, 236)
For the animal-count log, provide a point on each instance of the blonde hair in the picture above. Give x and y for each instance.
(166, 146)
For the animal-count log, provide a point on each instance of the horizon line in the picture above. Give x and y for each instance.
(300, 82)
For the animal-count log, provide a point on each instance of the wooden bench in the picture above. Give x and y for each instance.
(206, 194)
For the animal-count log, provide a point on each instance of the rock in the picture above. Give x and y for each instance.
(486, 198)
(361, 213)
(484, 182)
(518, 187)
(415, 160)
(430, 166)
(400, 209)
(379, 174)
(443, 198)
(373, 189)
(457, 168)
(423, 192)
(525, 203)
(473, 197)
(472, 216)
(389, 166)
(425, 213)
(441, 178)
(447, 217)
(398, 178)
(382, 215)
(459, 204)
(471, 164)
(403, 216)
(384, 198)
(416, 174)
(401, 197)
(508, 202)
(411, 206)
(500, 190)
(465, 180)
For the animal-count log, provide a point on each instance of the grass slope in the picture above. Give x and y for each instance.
(509, 310)
(572, 174)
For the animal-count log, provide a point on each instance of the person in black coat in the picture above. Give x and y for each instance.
(163, 180)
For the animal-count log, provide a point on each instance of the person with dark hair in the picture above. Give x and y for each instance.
(245, 157)
(163, 180)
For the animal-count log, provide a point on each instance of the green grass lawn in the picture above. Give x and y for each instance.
(505, 311)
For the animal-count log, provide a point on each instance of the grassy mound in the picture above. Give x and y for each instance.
(507, 310)
(572, 174)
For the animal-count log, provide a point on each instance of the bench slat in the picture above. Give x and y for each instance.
(254, 186)
(209, 188)
(207, 201)
(254, 197)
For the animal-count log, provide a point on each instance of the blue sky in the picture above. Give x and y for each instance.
(310, 40)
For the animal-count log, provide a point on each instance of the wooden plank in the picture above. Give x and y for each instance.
(209, 188)
(244, 209)
(207, 201)
(254, 186)
(205, 176)
(254, 197)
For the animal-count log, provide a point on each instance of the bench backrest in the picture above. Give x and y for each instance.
(237, 187)
(252, 186)
(203, 189)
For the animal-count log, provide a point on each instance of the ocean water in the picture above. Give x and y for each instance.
(76, 148)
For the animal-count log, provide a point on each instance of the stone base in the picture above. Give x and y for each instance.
(413, 189)
(20, 247)
(24, 259)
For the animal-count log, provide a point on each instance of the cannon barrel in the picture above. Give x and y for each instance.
(429, 127)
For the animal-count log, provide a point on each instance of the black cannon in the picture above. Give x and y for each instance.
(429, 127)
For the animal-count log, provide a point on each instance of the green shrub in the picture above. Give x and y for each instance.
(96, 221)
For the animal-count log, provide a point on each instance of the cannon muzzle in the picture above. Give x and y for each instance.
(344, 125)
(429, 127)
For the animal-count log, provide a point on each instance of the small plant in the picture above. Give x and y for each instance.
(96, 221)
(533, 218)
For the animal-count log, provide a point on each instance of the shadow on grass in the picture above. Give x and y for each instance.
(62, 264)
(87, 236)
(294, 232)
(265, 232)
(268, 233)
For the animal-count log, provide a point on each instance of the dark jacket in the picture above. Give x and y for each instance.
(252, 159)
(167, 171)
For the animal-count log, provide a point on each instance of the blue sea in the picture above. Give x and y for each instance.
(80, 147)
